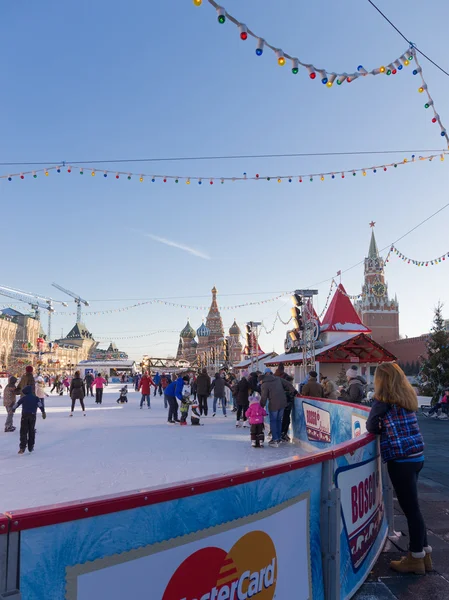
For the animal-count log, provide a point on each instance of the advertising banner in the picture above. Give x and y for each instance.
(318, 423)
(358, 425)
(248, 558)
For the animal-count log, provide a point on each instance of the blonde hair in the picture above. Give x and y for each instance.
(391, 386)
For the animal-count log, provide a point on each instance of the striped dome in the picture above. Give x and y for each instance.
(234, 329)
(188, 331)
(203, 331)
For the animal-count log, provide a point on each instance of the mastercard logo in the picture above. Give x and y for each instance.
(248, 570)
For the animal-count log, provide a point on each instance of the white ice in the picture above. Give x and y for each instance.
(119, 448)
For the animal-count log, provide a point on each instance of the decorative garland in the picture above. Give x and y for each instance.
(211, 180)
(417, 263)
(327, 78)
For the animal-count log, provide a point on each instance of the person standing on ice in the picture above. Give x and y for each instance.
(242, 393)
(9, 399)
(30, 403)
(157, 384)
(218, 387)
(88, 380)
(145, 388)
(203, 390)
(255, 414)
(99, 383)
(171, 392)
(40, 389)
(274, 391)
(27, 379)
(77, 392)
(280, 372)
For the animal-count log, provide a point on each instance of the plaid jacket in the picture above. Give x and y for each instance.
(400, 435)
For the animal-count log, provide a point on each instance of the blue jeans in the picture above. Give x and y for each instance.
(276, 424)
(223, 404)
(147, 397)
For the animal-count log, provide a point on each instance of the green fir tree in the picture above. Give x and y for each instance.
(435, 368)
(341, 377)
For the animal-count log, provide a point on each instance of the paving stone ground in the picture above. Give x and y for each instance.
(383, 583)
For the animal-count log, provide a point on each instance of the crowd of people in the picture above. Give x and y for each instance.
(253, 397)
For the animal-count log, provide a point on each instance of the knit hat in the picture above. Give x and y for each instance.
(267, 370)
(351, 373)
(29, 369)
(313, 374)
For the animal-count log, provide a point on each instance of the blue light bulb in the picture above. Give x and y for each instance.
(324, 80)
(400, 68)
(259, 51)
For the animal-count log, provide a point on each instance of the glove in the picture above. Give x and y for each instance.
(44, 415)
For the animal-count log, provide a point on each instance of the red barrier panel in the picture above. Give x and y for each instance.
(4, 524)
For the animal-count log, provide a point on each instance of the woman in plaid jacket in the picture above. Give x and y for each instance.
(393, 417)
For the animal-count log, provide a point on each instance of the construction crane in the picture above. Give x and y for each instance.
(35, 301)
(76, 297)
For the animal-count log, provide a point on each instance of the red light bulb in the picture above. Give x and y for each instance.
(385, 168)
(165, 180)
(434, 120)
(257, 175)
(243, 35)
(117, 176)
(312, 75)
(69, 170)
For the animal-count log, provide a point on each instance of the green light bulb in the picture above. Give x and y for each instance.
(221, 19)
(426, 105)
(389, 72)
(338, 81)
(295, 70)
(35, 176)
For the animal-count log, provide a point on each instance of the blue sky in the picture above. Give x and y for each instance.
(109, 80)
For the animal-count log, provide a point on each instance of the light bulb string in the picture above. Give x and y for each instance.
(295, 60)
(417, 263)
(431, 102)
(200, 179)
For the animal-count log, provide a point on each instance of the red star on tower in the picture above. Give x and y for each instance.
(372, 224)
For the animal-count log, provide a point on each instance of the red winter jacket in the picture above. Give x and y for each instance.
(145, 384)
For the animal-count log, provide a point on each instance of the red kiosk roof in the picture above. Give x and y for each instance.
(341, 315)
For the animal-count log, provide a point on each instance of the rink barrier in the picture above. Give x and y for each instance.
(63, 549)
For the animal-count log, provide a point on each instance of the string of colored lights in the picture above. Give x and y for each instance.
(177, 305)
(211, 180)
(326, 77)
(418, 263)
(424, 88)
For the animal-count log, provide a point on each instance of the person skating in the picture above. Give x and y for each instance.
(145, 389)
(40, 389)
(242, 394)
(30, 403)
(255, 414)
(123, 398)
(218, 387)
(203, 384)
(393, 417)
(171, 393)
(26, 380)
(286, 417)
(185, 400)
(56, 385)
(165, 382)
(157, 384)
(77, 392)
(274, 390)
(9, 399)
(99, 383)
(195, 415)
(89, 380)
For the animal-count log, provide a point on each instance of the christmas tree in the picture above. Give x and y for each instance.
(435, 368)
(341, 377)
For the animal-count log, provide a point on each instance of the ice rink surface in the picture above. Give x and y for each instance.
(119, 448)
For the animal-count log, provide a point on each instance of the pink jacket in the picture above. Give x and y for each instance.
(256, 413)
(99, 383)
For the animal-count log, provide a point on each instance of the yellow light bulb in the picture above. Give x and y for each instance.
(329, 84)
(46, 173)
(322, 177)
(382, 69)
(93, 173)
(406, 63)
(279, 180)
(364, 173)
(197, 2)
(188, 181)
(141, 179)
(420, 90)
(442, 157)
(405, 160)
(281, 61)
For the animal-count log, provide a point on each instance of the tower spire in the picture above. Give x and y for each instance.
(373, 251)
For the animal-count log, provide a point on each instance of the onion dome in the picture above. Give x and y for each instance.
(203, 331)
(234, 329)
(188, 331)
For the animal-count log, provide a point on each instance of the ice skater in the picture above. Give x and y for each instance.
(123, 398)
(9, 399)
(185, 402)
(77, 392)
(195, 415)
(99, 382)
(30, 403)
(40, 389)
(255, 415)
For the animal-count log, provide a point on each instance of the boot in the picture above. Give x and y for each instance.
(238, 424)
(412, 563)
(428, 558)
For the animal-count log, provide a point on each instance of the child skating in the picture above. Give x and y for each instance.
(255, 415)
(9, 399)
(123, 395)
(30, 403)
(185, 402)
(40, 390)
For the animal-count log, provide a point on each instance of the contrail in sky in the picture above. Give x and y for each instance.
(183, 247)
